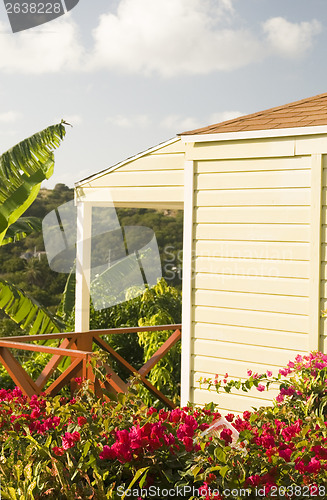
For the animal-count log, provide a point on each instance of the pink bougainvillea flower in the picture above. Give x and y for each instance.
(81, 421)
(58, 451)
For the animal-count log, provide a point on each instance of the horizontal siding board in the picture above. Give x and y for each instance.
(253, 267)
(254, 197)
(247, 353)
(234, 215)
(257, 180)
(124, 180)
(251, 148)
(252, 301)
(139, 195)
(252, 319)
(238, 367)
(155, 162)
(311, 145)
(252, 165)
(253, 250)
(253, 336)
(257, 284)
(251, 232)
(228, 402)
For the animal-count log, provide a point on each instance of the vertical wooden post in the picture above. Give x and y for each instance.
(315, 251)
(83, 265)
(187, 282)
(83, 272)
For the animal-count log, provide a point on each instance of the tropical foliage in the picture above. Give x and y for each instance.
(160, 305)
(79, 448)
(22, 170)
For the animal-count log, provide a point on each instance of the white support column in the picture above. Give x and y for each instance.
(187, 281)
(83, 265)
(315, 251)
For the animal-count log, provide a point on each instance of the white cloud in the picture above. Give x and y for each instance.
(290, 39)
(9, 117)
(161, 37)
(177, 123)
(129, 121)
(51, 50)
(171, 37)
(224, 116)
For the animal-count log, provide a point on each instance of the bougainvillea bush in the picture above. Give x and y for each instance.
(80, 448)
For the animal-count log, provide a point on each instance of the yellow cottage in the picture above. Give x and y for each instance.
(253, 191)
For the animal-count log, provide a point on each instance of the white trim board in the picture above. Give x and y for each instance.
(124, 162)
(187, 282)
(255, 134)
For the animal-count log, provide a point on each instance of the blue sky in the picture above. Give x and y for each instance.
(129, 74)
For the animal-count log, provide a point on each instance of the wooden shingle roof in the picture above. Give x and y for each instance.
(305, 113)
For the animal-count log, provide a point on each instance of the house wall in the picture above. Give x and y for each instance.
(255, 285)
(323, 274)
(153, 180)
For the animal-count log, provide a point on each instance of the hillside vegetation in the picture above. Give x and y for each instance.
(24, 264)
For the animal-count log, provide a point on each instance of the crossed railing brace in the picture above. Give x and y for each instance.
(78, 346)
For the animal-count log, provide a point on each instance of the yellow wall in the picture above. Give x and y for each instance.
(253, 289)
(153, 180)
(323, 290)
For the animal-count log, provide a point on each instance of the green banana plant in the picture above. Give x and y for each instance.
(22, 170)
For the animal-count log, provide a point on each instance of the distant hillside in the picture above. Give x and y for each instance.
(24, 264)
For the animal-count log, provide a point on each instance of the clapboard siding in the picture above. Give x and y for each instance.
(251, 336)
(231, 402)
(276, 250)
(235, 367)
(251, 275)
(249, 232)
(323, 271)
(252, 267)
(253, 165)
(247, 180)
(251, 148)
(253, 284)
(250, 215)
(154, 180)
(254, 197)
(252, 319)
(252, 301)
(247, 353)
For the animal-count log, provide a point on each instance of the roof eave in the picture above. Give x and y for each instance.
(124, 162)
(255, 134)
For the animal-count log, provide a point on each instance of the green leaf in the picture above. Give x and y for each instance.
(220, 455)
(139, 473)
(22, 170)
(68, 298)
(223, 471)
(21, 228)
(26, 311)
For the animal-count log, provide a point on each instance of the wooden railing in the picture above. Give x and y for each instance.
(78, 347)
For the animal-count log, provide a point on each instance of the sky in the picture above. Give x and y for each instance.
(130, 74)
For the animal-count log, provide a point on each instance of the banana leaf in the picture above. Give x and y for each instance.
(22, 228)
(67, 303)
(22, 170)
(26, 311)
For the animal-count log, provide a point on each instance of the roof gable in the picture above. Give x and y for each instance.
(307, 112)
